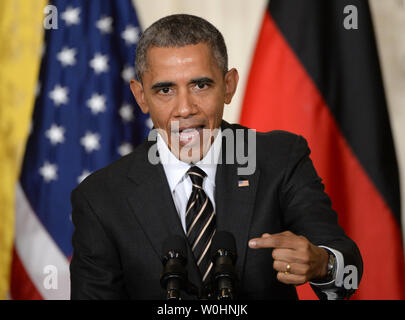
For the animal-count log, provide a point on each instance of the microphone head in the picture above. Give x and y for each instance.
(223, 241)
(174, 247)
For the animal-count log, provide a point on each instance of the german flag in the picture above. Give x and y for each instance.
(315, 72)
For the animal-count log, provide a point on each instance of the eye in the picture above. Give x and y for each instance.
(201, 85)
(165, 90)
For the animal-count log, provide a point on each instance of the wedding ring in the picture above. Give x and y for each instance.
(288, 268)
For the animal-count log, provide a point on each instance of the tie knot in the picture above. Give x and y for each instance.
(197, 176)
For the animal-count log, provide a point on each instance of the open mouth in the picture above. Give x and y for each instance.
(189, 135)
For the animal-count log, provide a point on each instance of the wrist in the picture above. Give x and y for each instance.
(323, 270)
(324, 265)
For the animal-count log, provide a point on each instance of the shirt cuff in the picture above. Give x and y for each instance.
(338, 279)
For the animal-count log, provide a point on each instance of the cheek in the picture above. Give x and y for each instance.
(159, 112)
(214, 113)
(159, 118)
(212, 107)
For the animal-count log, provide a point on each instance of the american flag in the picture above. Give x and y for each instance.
(243, 183)
(84, 118)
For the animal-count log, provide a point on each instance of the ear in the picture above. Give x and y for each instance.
(231, 82)
(137, 91)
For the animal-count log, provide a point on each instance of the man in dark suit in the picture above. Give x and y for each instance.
(285, 229)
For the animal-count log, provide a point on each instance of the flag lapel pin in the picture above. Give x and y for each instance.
(243, 183)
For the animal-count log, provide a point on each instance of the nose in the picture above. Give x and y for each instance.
(186, 106)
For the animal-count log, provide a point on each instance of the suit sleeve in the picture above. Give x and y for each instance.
(308, 211)
(95, 271)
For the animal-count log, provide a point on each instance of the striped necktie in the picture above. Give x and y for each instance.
(200, 222)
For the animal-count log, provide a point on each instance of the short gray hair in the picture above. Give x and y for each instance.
(180, 30)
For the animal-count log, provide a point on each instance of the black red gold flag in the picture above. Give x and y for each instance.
(315, 72)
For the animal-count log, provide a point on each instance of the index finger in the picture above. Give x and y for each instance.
(278, 240)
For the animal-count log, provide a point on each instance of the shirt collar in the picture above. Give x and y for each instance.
(176, 170)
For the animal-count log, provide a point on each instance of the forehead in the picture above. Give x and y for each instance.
(190, 60)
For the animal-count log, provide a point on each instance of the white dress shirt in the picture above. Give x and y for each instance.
(180, 183)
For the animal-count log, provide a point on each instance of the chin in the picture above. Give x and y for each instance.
(190, 154)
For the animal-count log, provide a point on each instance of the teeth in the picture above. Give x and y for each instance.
(188, 134)
(189, 130)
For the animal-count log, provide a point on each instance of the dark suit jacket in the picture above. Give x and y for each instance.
(124, 212)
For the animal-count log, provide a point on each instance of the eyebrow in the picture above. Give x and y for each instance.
(202, 80)
(163, 84)
(166, 84)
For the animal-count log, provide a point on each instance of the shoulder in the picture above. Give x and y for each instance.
(274, 150)
(282, 143)
(274, 142)
(274, 136)
(280, 149)
(109, 179)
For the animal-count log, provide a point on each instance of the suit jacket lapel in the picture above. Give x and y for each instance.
(153, 206)
(234, 204)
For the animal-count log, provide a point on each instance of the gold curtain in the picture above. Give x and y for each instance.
(21, 39)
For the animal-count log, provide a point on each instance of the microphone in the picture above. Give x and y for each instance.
(174, 276)
(223, 253)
